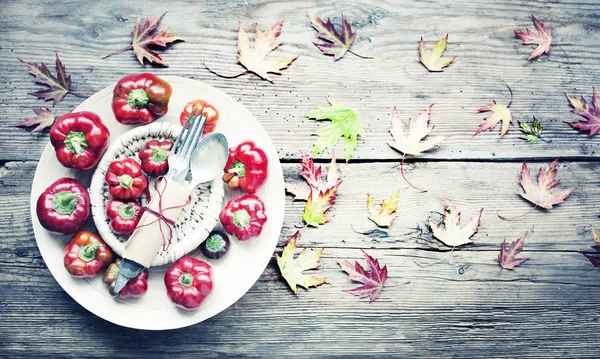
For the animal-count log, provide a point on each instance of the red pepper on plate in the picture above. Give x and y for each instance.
(154, 157)
(246, 167)
(135, 288)
(64, 206)
(123, 216)
(199, 107)
(140, 99)
(244, 217)
(79, 139)
(125, 179)
(86, 255)
(188, 282)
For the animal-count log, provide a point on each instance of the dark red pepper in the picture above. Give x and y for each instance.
(79, 139)
(140, 99)
(188, 282)
(86, 255)
(64, 206)
(154, 157)
(244, 217)
(246, 167)
(123, 216)
(125, 179)
(135, 288)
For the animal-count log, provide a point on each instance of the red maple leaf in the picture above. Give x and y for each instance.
(542, 194)
(508, 258)
(592, 114)
(372, 280)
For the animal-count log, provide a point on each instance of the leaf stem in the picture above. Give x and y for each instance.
(519, 216)
(119, 50)
(357, 55)
(511, 94)
(220, 75)
(561, 49)
(544, 139)
(403, 176)
(436, 261)
(78, 94)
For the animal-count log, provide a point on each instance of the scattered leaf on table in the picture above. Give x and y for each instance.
(291, 269)
(542, 194)
(507, 258)
(344, 123)
(312, 175)
(373, 279)
(337, 43)
(59, 86)
(501, 112)
(451, 233)
(594, 259)
(591, 114)
(143, 39)
(543, 38)
(413, 143)
(385, 215)
(318, 204)
(432, 60)
(532, 131)
(43, 118)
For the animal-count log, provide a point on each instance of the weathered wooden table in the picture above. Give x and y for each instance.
(435, 304)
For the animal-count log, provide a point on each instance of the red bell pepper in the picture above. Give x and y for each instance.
(79, 139)
(188, 282)
(64, 206)
(246, 167)
(199, 107)
(86, 255)
(135, 288)
(123, 216)
(244, 217)
(125, 179)
(140, 99)
(154, 157)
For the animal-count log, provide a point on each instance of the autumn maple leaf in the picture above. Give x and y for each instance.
(373, 279)
(501, 112)
(452, 234)
(344, 123)
(318, 204)
(58, 86)
(413, 143)
(542, 194)
(43, 118)
(338, 43)
(432, 60)
(312, 176)
(142, 39)
(507, 258)
(385, 215)
(291, 269)
(594, 259)
(591, 114)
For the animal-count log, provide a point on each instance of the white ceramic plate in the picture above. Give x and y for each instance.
(234, 274)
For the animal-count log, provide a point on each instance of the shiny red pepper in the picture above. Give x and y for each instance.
(86, 255)
(140, 99)
(125, 179)
(123, 216)
(246, 167)
(64, 206)
(244, 217)
(188, 282)
(79, 139)
(201, 107)
(135, 288)
(154, 157)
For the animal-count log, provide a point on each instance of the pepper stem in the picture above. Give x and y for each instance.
(125, 181)
(159, 155)
(126, 211)
(186, 279)
(238, 168)
(88, 252)
(75, 141)
(137, 98)
(65, 202)
(241, 218)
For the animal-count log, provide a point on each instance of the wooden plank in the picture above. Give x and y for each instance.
(482, 40)
(470, 186)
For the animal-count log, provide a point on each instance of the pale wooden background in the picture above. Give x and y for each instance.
(550, 306)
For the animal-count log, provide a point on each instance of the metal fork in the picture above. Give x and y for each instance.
(179, 158)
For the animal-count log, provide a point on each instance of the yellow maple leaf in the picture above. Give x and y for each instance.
(595, 236)
(291, 269)
(501, 112)
(386, 213)
(432, 60)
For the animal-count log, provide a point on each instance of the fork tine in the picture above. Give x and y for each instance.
(195, 133)
(184, 131)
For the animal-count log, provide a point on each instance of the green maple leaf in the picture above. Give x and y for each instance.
(344, 123)
(291, 269)
(532, 131)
